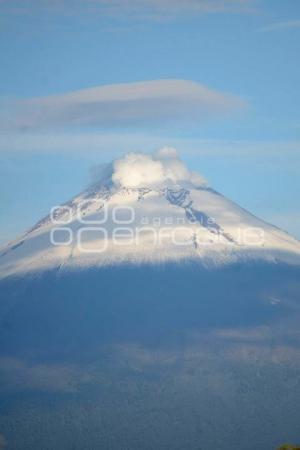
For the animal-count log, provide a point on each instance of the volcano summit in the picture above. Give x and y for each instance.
(145, 209)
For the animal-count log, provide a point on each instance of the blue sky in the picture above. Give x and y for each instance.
(237, 123)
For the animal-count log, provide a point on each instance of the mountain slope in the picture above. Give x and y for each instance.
(105, 225)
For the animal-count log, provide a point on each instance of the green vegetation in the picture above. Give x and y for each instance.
(289, 447)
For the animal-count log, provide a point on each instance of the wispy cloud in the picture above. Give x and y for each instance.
(173, 8)
(142, 104)
(149, 9)
(281, 26)
(111, 145)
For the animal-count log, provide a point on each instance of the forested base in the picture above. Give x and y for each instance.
(219, 406)
(198, 359)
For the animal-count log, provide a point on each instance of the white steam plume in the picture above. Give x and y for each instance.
(161, 168)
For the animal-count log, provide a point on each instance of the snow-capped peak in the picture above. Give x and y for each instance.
(146, 208)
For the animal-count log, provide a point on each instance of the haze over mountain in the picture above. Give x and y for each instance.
(150, 312)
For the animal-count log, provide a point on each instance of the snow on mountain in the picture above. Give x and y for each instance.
(146, 209)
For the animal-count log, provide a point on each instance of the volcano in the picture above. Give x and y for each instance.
(150, 312)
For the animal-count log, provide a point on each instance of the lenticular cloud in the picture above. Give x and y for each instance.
(162, 167)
